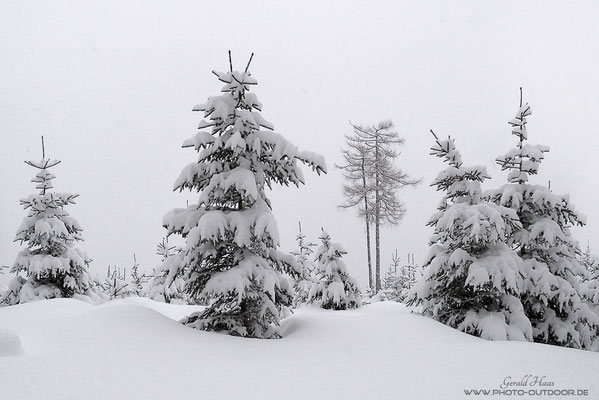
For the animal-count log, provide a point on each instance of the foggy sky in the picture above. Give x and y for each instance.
(111, 86)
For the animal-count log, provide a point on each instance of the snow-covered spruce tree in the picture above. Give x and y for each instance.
(52, 266)
(589, 261)
(471, 281)
(399, 279)
(589, 283)
(391, 284)
(409, 275)
(303, 283)
(231, 257)
(333, 285)
(164, 286)
(139, 282)
(550, 296)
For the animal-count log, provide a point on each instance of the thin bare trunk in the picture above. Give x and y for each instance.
(377, 218)
(370, 282)
(367, 220)
(378, 255)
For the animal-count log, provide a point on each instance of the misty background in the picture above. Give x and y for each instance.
(111, 85)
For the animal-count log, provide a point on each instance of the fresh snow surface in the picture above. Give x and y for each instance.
(135, 349)
(10, 344)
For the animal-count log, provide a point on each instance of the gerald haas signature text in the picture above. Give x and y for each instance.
(526, 381)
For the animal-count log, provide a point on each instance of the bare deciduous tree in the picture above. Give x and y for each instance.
(373, 181)
(356, 157)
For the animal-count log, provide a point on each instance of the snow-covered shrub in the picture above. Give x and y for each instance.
(11, 294)
(398, 279)
(51, 265)
(231, 258)
(164, 286)
(391, 285)
(589, 286)
(471, 281)
(97, 287)
(139, 282)
(305, 280)
(376, 298)
(3, 289)
(550, 294)
(115, 286)
(333, 287)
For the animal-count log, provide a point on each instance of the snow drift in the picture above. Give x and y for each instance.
(134, 349)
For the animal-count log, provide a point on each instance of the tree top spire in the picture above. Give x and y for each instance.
(249, 62)
(520, 96)
(246, 67)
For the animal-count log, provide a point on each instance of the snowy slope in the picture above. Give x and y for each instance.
(133, 349)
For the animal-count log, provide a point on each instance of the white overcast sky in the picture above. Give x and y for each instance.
(111, 86)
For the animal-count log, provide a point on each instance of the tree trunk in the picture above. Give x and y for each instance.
(367, 220)
(370, 282)
(377, 243)
(377, 218)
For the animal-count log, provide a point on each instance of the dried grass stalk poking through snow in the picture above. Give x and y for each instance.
(53, 267)
(231, 257)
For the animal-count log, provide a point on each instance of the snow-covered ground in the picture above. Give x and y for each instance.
(135, 349)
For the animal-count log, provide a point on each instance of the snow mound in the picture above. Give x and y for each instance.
(173, 311)
(135, 349)
(44, 309)
(10, 344)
